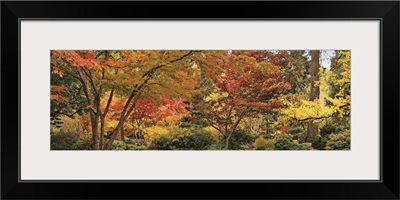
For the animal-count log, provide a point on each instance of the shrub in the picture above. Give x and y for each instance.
(319, 142)
(263, 144)
(301, 147)
(119, 145)
(127, 145)
(177, 137)
(135, 147)
(184, 138)
(73, 125)
(199, 140)
(285, 143)
(62, 141)
(153, 132)
(240, 140)
(328, 129)
(295, 130)
(268, 136)
(301, 137)
(339, 141)
(83, 144)
(161, 143)
(216, 146)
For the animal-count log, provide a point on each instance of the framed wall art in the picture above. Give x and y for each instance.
(115, 97)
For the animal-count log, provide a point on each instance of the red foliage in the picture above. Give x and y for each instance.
(278, 58)
(78, 59)
(284, 128)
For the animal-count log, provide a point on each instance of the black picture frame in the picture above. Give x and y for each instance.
(386, 11)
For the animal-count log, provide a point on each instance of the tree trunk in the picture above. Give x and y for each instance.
(122, 134)
(227, 141)
(102, 121)
(95, 122)
(312, 129)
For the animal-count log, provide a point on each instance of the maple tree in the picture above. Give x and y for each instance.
(242, 88)
(99, 70)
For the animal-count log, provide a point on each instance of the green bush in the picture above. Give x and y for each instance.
(216, 146)
(119, 145)
(263, 144)
(161, 143)
(328, 129)
(83, 144)
(135, 147)
(268, 136)
(62, 141)
(199, 140)
(285, 143)
(319, 142)
(301, 137)
(177, 137)
(301, 147)
(241, 140)
(295, 130)
(184, 139)
(339, 141)
(128, 144)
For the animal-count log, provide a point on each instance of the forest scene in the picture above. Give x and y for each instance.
(200, 100)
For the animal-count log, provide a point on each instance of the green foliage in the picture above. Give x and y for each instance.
(241, 140)
(263, 144)
(83, 144)
(61, 140)
(285, 143)
(301, 137)
(177, 137)
(319, 142)
(161, 143)
(339, 141)
(199, 140)
(185, 119)
(268, 136)
(135, 147)
(295, 130)
(184, 139)
(119, 145)
(128, 145)
(328, 129)
(216, 146)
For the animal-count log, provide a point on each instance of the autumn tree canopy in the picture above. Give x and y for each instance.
(199, 99)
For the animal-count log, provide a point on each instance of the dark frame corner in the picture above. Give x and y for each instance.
(386, 11)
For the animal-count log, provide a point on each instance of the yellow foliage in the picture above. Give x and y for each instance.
(304, 110)
(298, 107)
(216, 134)
(216, 94)
(151, 133)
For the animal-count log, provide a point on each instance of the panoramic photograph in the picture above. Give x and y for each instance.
(260, 100)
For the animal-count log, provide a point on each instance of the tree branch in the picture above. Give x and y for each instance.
(152, 70)
(108, 102)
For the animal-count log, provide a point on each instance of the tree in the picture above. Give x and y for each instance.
(297, 72)
(85, 67)
(312, 129)
(101, 71)
(242, 87)
(334, 89)
(148, 65)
